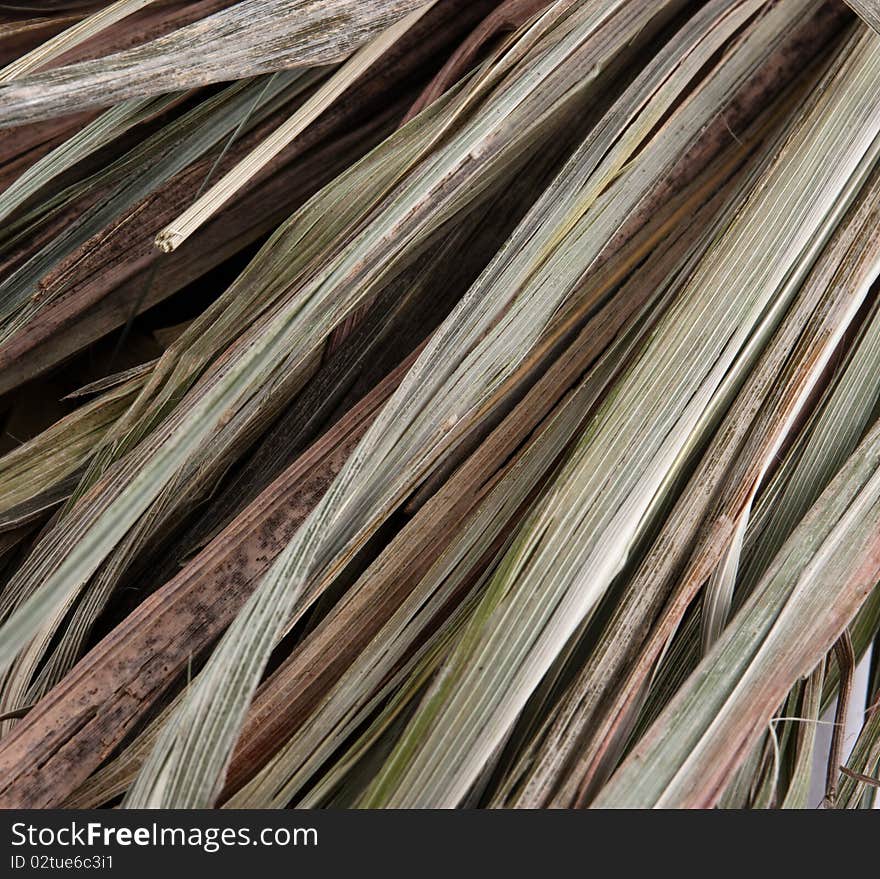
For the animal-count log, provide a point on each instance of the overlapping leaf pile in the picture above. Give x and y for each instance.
(438, 404)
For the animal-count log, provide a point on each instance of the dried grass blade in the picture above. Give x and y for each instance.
(176, 232)
(71, 37)
(248, 38)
